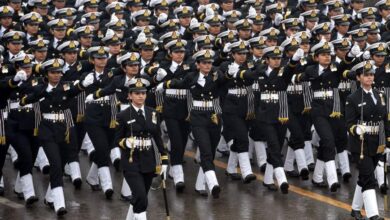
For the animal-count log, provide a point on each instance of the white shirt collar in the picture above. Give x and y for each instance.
(143, 62)
(137, 109)
(320, 69)
(367, 91)
(269, 70)
(50, 87)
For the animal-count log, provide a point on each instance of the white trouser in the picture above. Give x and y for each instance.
(105, 178)
(27, 186)
(115, 154)
(58, 198)
(232, 163)
(280, 175)
(125, 190)
(177, 173)
(269, 174)
(93, 176)
(200, 180)
(41, 161)
(261, 153)
(370, 203)
(318, 174)
(309, 152)
(245, 164)
(344, 162)
(379, 173)
(87, 144)
(289, 161)
(357, 202)
(331, 174)
(211, 179)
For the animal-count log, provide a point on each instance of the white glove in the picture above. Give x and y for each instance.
(366, 55)
(278, 18)
(360, 129)
(129, 143)
(161, 73)
(355, 51)
(89, 98)
(233, 70)
(298, 55)
(88, 80)
(160, 87)
(21, 75)
(226, 48)
(163, 171)
(162, 18)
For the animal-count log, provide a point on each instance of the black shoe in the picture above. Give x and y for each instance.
(16, 164)
(94, 187)
(304, 174)
(292, 173)
(77, 183)
(357, 215)
(180, 187)
(225, 153)
(346, 177)
(334, 187)
(31, 200)
(19, 195)
(45, 170)
(311, 167)
(1, 191)
(270, 187)
(233, 176)
(376, 217)
(215, 192)
(126, 198)
(262, 168)
(383, 189)
(338, 170)
(117, 164)
(284, 188)
(320, 184)
(249, 178)
(61, 211)
(202, 193)
(109, 193)
(49, 204)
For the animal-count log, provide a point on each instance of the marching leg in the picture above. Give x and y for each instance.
(88, 147)
(357, 203)
(49, 200)
(42, 162)
(269, 178)
(289, 163)
(1, 186)
(370, 204)
(28, 189)
(105, 181)
(125, 191)
(130, 213)
(93, 177)
(245, 166)
(18, 188)
(178, 177)
(231, 169)
(380, 178)
(75, 174)
(212, 183)
(344, 165)
(309, 155)
(261, 154)
(58, 200)
(140, 216)
(301, 163)
(200, 185)
(14, 155)
(331, 175)
(318, 175)
(281, 179)
(115, 156)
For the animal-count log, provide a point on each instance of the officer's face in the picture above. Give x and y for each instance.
(137, 98)
(6, 22)
(357, 5)
(54, 77)
(227, 5)
(215, 29)
(146, 54)
(291, 31)
(257, 52)
(40, 55)
(15, 5)
(115, 48)
(244, 34)
(384, 12)
(324, 59)
(91, 9)
(379, 59)
(32, 28)
(341, 53)
(372, 38)
(178, 56)
(59, 33)
(100, 62)
(28, 70)
(271, 42)
(203, 2)
(70, 57)
(42, 11)
(366, 80)
(185, 21)
(274, 62)
(256, 28)
(305, 46)
(343, 29)
(135, 8)
(325, 36)
(14, 48)
(86, 41)
(131, 69)
(204, 66)
(239, 58)
(310, 24)
(59, 4)
(143, 22)
(361, 43)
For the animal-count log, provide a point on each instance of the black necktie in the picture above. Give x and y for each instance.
(141, 116)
